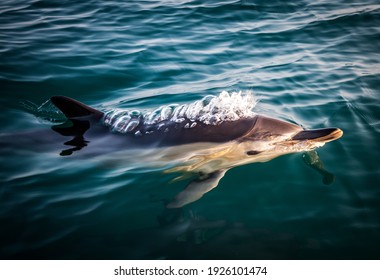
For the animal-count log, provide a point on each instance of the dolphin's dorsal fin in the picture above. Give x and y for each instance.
(197, 188)
(74, 109)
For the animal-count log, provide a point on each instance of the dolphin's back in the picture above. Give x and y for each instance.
(172, 133)
(164, 133)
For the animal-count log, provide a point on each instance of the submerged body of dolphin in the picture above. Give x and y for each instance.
(193, 144)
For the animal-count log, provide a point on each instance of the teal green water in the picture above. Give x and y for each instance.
(315, 63)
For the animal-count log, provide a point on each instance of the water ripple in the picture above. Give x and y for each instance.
(313, 62)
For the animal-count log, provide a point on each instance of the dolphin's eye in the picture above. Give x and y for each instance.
(252, 153)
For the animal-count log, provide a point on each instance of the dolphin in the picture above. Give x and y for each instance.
(193, 146)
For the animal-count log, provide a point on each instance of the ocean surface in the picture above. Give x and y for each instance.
(313, 63)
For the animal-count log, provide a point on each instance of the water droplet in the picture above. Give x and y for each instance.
(166, 112)
(207, 99)
(132, 125)
(154, 117)
(180, 120)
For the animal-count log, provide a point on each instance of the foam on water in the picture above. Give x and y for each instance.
(210, 110)
(45, 113)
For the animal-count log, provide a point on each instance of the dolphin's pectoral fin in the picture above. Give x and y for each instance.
(312, 159)
(197, 188)
(181, 177)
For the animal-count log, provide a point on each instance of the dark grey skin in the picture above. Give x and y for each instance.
(247, 129)
(205, 150)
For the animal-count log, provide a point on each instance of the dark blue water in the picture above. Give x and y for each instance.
(315, 63)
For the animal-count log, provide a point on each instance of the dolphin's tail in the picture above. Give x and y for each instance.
(73, 109)
(320, 135)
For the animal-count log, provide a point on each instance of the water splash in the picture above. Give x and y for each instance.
(210, 110)
(47, 112)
